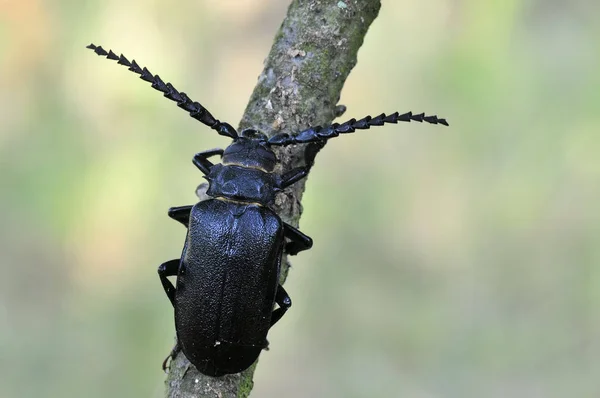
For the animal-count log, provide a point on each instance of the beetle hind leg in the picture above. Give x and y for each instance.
(283, 301)
(171, 356)
(170, 268)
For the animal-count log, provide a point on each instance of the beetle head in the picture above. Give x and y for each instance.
(250, 149)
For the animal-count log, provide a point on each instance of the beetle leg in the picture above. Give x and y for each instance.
(201, 159)
(293, 176)
(171, 356)
(283, 301)
(181, 214)
(298, 241)
(169, 268)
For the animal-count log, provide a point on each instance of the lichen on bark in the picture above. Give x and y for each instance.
(312, 55)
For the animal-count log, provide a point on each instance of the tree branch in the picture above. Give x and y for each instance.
(312, 55)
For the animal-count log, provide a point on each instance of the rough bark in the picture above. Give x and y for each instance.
(312, 55)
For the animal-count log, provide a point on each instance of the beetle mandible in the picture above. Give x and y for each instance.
(228, 273)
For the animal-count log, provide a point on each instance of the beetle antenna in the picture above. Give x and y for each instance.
(195, 109)
(318, 133)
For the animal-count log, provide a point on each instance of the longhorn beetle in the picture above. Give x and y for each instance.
(228, 273)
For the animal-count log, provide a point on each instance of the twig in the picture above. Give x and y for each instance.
(312, 55)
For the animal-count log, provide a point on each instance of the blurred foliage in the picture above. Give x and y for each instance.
(456, 262)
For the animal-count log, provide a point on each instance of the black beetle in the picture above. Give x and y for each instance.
(228, 274)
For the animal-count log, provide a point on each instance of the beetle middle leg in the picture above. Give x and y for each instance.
(283, 301)
(169, 268)
(181, 214)
(298, 240)
(201, 159)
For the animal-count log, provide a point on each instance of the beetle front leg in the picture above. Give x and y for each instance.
(298, 240)
(299, 173)
(201, 159)
(170, 268)
(283, 301)
(293, 176)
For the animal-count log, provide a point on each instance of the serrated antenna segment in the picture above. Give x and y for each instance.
(195, 109)
(318, 133)
(123, 61)
(112, 55)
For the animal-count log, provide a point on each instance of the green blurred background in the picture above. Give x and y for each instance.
(448, 262)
